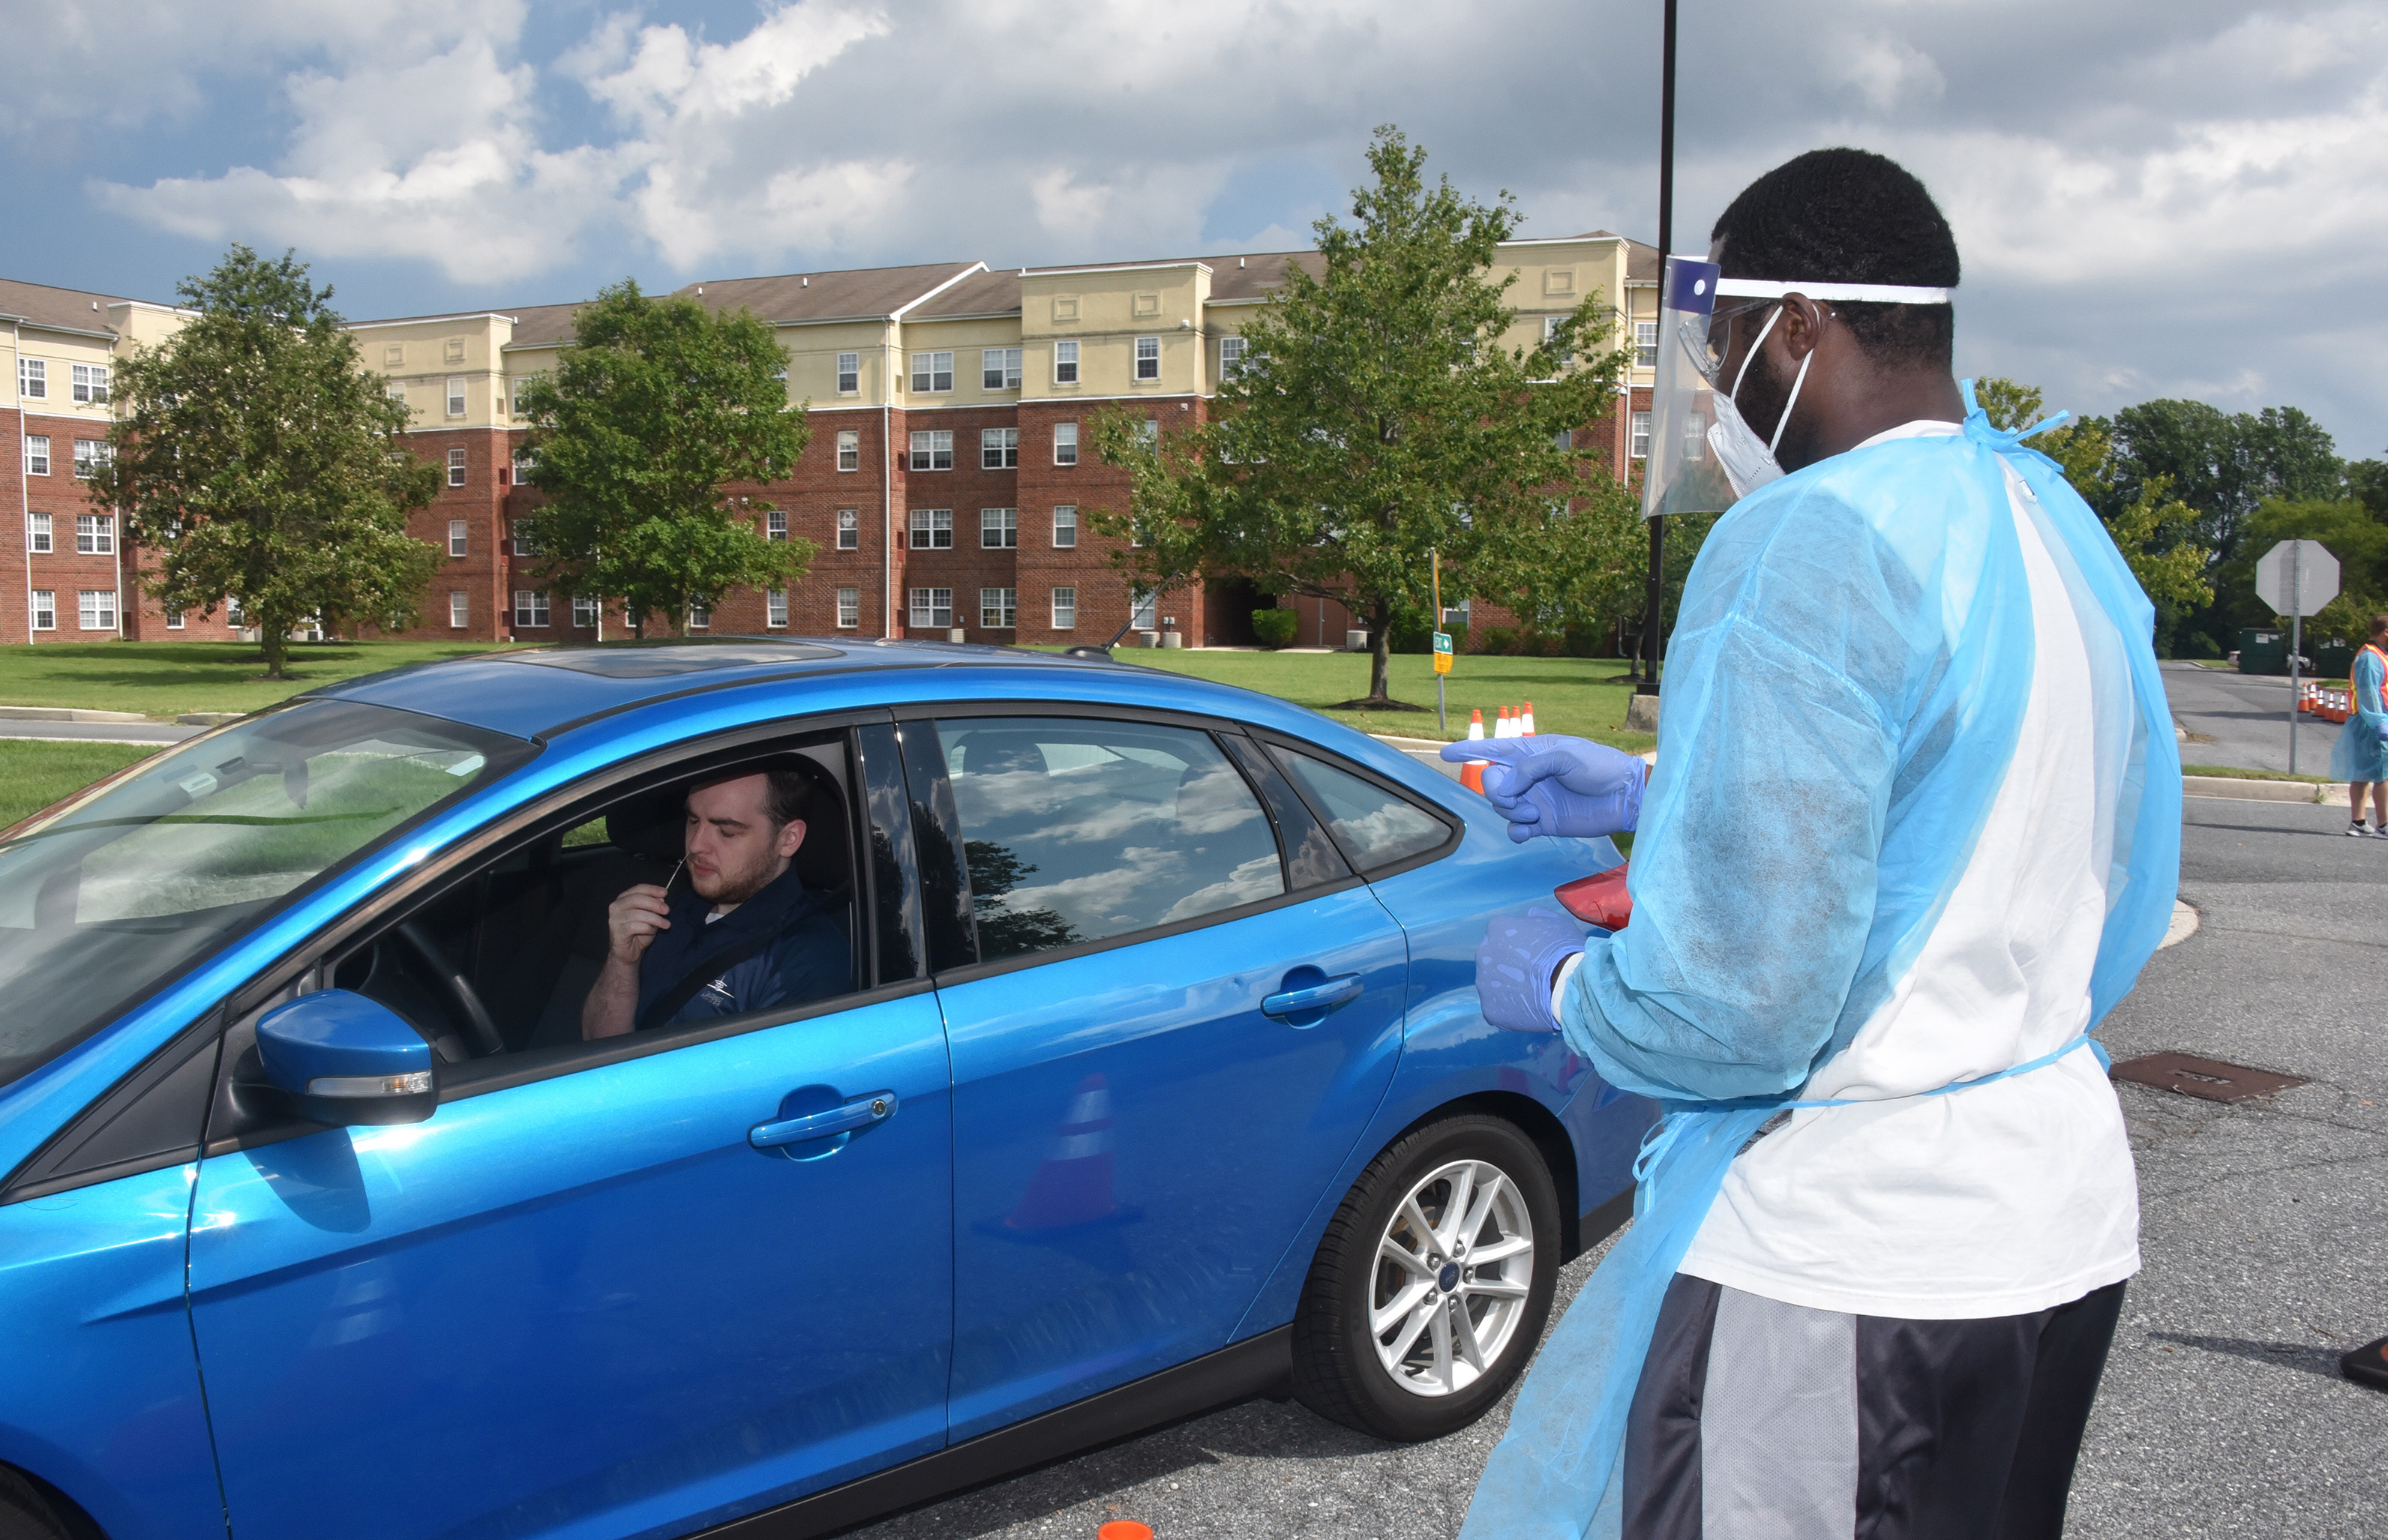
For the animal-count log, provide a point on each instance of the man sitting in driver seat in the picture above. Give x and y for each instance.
(742, 935)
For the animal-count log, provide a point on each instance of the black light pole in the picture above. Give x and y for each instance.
(1656, 598)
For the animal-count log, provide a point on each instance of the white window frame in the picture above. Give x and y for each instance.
(1065, 363)
(524, 463)
(41, 535)
(457, 467)
(584, 612)
(1148, 359)
(849, 608)
(459, 610)
(1638, 446)
(932, 372)
(1003, 604)
(849, 529)
(522, 534)
(46, 609)
(94, 534)
(174, 620)
(531, 613)
(924, 607)
(930, 446)
(998, 449)
(455, 395)
(33, 379)
(90, 454)
(699, 618)
(930, 529)
(1231, 357)
(998, 529)
(88, 384)
(1065, 443)
(1065, 527)
(849, 373)
(37, 454)
(459, 536)
(775, 608)
(998, 368)
(1645, 344)
(1144, 615)
(775, 523)
(1065, 608)
(95, 610)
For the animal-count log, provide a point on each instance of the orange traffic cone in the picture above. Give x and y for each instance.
(1472, 774)
(1125, 1529)
(1526, 722)
(1074, 1185)
(1474, 726)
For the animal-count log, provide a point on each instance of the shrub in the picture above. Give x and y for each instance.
(1275, 627)
(1500, 639)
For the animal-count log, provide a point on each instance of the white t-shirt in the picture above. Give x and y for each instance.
(2005, 1198)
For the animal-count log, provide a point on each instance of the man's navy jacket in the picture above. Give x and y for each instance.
(807, 958)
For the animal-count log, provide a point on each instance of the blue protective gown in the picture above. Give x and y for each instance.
(1844, 689)
(2361, 751)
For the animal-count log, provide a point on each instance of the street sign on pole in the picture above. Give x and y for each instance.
(1442, 651)
(2296, 577)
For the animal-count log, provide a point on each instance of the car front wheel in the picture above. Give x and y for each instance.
(1432, 1283)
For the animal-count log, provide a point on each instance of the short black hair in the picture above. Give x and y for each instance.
(1844, 216)
(787, 790)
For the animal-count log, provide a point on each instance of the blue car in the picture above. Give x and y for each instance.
(1129, 1063)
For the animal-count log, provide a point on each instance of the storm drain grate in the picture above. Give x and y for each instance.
(2211, 1079)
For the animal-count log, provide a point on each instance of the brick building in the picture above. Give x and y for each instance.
(948, 483)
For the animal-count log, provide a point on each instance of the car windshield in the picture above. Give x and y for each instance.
(111, 891)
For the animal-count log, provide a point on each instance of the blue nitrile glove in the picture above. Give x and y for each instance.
(1515, 964)
(1551, 784)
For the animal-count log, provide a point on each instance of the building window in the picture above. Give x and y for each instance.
(699, 618)
(849, 608)
(932, 609)
(849, 373)
(521, 412)
(998, 368)
(849, 449)
(1149, 431)
(932, 372)
(1065, 527)
(998, 449)
(849, 529)
(96, 609)
(90, 384)
(90, 455)
(37, 454)
(998, 608)
(456, 396)
(37, 534)
(1641, 435)
(1065, 363)
(174, 621)
(524, 463)
(94, 534)
(395, 390)
(455, 467)
(525, 534)
(584, 612)
(775, 607)
(1231, 357)
(45, 610)
(1645, 344)
(530, 608)
(457, 539)
(933, 449)
(1141, 618)
(775, 523)
(1065, 443)
(459, 610)
(932, 529)
(1148, 357)
(33, 378)
(1065, 609)
(999, 528)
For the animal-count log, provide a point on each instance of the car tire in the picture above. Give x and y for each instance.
(26, 1513)
(1377, 1343)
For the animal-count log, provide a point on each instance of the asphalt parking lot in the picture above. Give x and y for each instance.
(2265, 1248)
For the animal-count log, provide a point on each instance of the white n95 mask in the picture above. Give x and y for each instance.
(1748, 460)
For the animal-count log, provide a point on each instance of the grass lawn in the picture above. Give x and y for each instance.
(33, 775)
(165, 679)
(1582, 696)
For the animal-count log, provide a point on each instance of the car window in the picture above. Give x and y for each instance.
(106, 894)
(1377, 827)
(1075, 829)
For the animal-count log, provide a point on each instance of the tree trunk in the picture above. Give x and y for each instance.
(1381, 652)
(275, 640)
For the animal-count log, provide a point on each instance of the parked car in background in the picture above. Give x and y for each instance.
(1163, 1083)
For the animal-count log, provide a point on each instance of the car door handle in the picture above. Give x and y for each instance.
(860, 1113)
(1313, 997)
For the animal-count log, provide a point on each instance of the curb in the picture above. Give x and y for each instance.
(65, 713)
(2303, 792)
(207, 719)
(2183, 925)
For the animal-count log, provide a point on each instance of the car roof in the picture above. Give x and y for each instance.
(534, 692)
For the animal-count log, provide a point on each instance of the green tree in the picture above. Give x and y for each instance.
(260, 464)
(655, 406)
(1379, 416)
(2223, 465)
(2349, 531)
(1167, 523)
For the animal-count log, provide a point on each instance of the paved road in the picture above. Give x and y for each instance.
(2265, 1244)
(2246, 717)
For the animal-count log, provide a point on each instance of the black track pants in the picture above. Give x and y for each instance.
(1760, 1420)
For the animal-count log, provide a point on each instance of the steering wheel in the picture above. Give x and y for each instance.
(456, 986)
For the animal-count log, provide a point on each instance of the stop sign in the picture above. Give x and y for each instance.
(2296, 577)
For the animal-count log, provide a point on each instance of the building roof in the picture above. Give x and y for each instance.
(996, 293)
(794, 296)
(65, 310)
(543, 326)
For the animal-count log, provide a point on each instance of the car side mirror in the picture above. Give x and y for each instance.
(348, 1061)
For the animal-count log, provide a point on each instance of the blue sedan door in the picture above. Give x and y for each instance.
(1172, 1035)
(581, 1302)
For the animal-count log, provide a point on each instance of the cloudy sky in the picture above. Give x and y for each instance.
(2153, 196)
